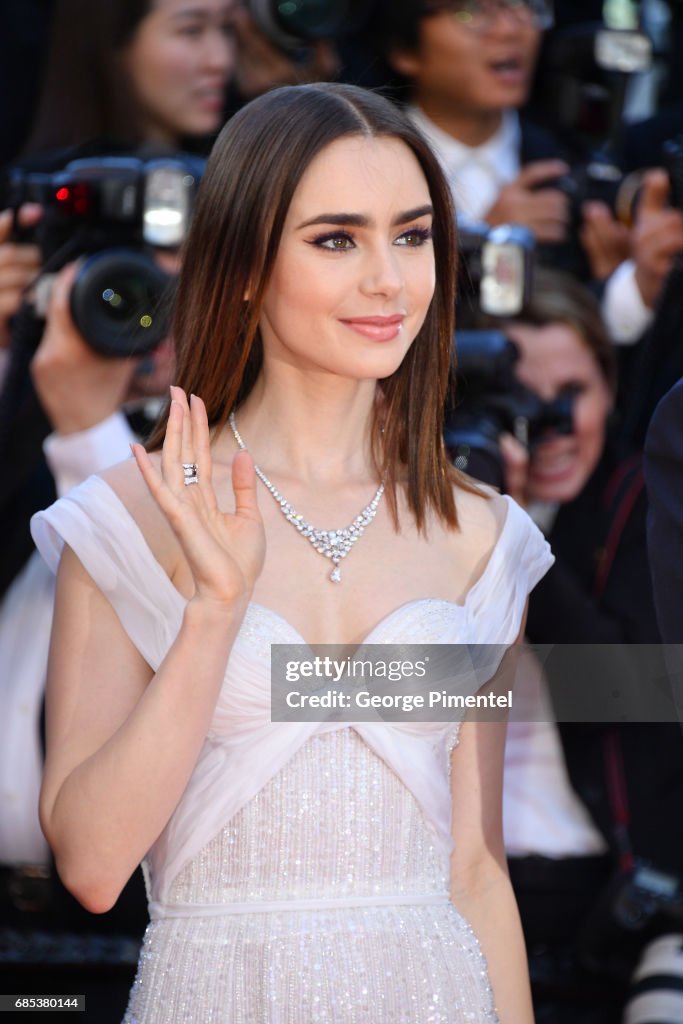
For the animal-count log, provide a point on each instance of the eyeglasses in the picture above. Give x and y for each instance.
(479, 15)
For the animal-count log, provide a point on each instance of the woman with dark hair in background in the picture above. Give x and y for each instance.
(120, 74)
(298, 871)
(133, 72)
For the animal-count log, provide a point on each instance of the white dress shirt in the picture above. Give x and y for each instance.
(475, 174)
(623, 309)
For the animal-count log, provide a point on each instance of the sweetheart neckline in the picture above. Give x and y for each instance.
(460, 606)
(256, 606)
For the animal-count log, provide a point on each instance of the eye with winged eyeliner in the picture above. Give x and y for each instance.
(340, 241)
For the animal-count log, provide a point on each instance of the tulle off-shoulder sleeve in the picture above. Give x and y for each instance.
(98, 527)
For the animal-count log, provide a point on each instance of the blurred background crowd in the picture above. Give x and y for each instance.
(560, 129)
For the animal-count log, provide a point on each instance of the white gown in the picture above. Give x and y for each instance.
(303, 877)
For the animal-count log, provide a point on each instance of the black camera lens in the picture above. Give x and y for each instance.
(295, 23)
(119, 302)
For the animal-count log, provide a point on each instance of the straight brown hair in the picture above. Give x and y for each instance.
(251, 176)
(86, 93)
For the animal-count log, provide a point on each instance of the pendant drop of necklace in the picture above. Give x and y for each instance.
(332, 544)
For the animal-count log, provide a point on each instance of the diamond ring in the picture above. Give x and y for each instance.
(191, 472)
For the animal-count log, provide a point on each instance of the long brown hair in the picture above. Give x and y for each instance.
(252, 174)
(86, 93)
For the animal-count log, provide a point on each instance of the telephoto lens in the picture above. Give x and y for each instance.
(119, 302)
(656, 995)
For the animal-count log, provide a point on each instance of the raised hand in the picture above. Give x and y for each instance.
(657, 236)
(224, 550)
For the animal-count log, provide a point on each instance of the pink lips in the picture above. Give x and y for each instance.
(378, 328)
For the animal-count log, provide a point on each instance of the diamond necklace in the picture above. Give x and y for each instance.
(332, 544)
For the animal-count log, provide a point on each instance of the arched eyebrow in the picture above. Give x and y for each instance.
(360, 220)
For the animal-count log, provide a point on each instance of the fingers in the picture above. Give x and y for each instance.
(27, 215)
(516, 467)
(244, 486)
(544, 211)
(654, 195)
(539, 172)
(202, 449)
(605, 240)
(188, 441)
(171, 452)
(19, 263)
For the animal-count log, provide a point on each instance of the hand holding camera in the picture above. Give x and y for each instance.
(544, 210)
(77, 387)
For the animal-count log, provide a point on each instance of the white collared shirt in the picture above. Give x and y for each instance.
(475, 174)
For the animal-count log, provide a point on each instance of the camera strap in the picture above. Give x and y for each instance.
(621, 493)
(618, 798)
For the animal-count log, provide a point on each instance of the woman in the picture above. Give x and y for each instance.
(134, 71)
(297, 872)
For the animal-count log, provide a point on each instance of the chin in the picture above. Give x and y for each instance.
(560, 490)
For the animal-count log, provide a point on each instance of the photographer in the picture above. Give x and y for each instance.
(468, 69)
(591, 501)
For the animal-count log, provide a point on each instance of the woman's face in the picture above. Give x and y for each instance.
(179, 62)
(354, 274)
(555, 361)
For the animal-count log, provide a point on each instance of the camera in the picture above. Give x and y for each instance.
(295, 24)
(495, 270)
(656, 995)
(495, 277)
(492, 400)
(110, 210)
(635, 905)
(587, 68)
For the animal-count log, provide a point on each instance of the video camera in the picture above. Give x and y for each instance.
(495, 280)
(112, 210)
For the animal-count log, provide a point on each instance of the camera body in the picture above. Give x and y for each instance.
(491, 400)
(634, 908)
(495, 277)
(112, 210)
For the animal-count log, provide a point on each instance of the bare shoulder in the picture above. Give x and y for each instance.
(126, 481)
(481, 517)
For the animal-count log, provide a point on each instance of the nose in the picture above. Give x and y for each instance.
(382, 273)
(219, 52)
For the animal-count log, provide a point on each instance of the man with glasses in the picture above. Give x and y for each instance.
(469, 66)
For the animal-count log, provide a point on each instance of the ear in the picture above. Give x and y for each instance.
(406, 62)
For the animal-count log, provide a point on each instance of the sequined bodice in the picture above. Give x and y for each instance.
(325, 826)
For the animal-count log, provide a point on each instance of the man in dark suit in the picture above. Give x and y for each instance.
(664, 480)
